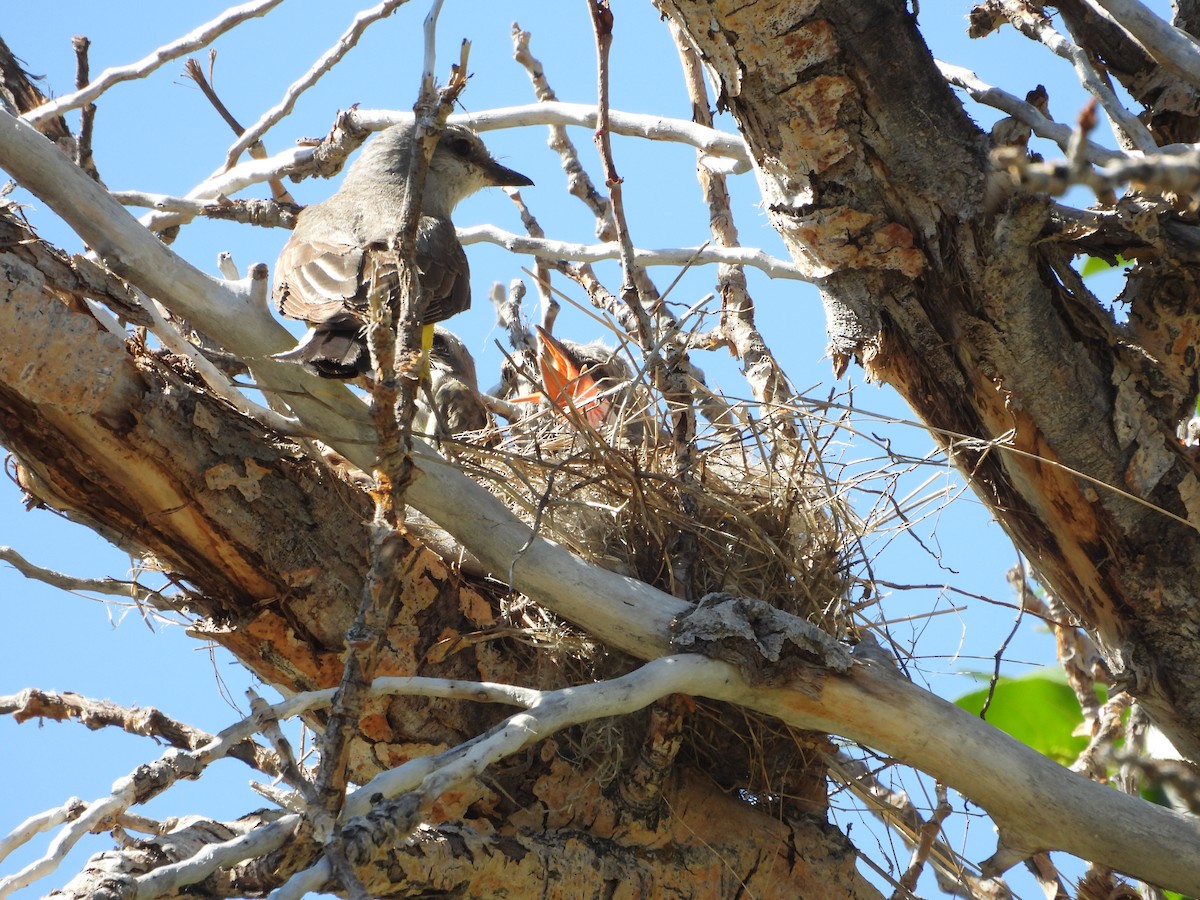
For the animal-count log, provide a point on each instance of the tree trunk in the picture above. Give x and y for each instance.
(964, 301)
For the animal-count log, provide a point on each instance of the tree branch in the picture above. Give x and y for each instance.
(1173, 48)
(328, 60)
(1023, 111)
(1036, 26)
(193, 41)
(721, 149)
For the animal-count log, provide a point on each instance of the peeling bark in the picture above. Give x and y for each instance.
(876, 178)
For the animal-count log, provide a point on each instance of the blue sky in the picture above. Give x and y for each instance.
(160, 135)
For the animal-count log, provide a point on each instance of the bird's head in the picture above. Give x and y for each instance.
(462, 159)
(461, 165)
(449, 357)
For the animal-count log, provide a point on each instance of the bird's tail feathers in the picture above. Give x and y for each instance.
(331, 352)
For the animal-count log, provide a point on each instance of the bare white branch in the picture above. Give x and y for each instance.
(754, 258)
(432, 776)
(240, 177)
(1123, 121)
(726, 152)
(1165, 171)
(1175, 49)
(35, 825)
(981, 92)
(430, 60)
(96, 813)
(128, 590)
(164, 202)
(227, 267)
(304, 883)
(552, 711)
(667, 256)
(710, 141)
(170, 878)
(201, 37)
(328, 60)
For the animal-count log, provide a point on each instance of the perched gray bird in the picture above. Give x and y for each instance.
(1012, 132)
(457, 405)
(339, 251)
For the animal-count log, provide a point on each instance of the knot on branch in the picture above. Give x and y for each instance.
(388, 824)
(766, 644)
(346, 136)
(264, 213)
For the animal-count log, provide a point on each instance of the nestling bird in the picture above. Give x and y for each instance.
(572, 373)
(340, 249)
(457, 404)
(588, 383)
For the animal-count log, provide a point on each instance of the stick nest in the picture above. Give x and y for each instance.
(736, 518)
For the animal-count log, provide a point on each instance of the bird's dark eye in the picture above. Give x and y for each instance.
(458, 146)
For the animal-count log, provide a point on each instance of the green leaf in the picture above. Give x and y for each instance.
(1095, 265)
(1038, 710)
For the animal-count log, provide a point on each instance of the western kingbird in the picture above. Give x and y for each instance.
(454, 387)
(335, 256)
(572, 375)
(592, 384)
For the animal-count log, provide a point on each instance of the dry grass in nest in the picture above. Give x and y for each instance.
(768, 527)
(771, 527)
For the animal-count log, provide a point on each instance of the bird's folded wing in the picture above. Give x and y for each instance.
(445, 275)
(318, 281)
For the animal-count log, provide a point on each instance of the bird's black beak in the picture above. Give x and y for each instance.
(505, 177)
